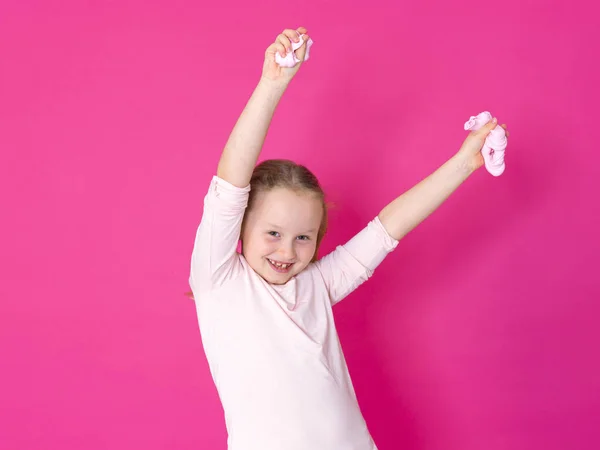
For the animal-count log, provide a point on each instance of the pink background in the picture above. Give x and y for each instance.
(479, 332)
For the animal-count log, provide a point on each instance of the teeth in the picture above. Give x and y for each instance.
(279, 265)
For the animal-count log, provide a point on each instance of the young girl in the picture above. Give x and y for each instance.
(266, 314)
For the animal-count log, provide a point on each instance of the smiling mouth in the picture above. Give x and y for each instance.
(280, 267)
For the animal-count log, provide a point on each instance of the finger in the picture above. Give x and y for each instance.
(285, 41)
(276, 47)
(292, 35)
(280, 49)
(484, 130)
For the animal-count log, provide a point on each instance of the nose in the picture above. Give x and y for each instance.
(288, 252)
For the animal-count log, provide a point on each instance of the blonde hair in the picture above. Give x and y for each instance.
(283, 173)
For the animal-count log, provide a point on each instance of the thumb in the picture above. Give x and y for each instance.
(485, 130)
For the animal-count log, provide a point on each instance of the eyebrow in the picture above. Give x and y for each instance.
(271, 225)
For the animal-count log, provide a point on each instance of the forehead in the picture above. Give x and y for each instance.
(285, 208)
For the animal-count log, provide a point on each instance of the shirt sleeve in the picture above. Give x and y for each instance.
(214, 256)
(351, 264)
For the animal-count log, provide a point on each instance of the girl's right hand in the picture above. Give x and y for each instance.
(282, 45)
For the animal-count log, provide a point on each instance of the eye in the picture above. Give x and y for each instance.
(304, 238)
(273, 233)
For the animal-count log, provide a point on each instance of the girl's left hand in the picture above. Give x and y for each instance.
(470, 150)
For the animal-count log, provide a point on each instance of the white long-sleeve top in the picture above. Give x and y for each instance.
(273, 350)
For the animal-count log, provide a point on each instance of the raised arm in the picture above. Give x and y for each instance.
(246, 140)
(214, 257)
(348, 266)
(415, 205)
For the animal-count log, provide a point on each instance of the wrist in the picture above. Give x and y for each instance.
(464, 164)
(274, 86)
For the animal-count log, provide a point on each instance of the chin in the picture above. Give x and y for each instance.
(281, 279)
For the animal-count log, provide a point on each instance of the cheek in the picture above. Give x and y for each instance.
(265, 246)
(307, 251)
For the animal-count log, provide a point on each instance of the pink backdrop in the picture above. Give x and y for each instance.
(479, 332)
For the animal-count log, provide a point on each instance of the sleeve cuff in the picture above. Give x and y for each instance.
(371, 245)
(388, 242)
(233, 198)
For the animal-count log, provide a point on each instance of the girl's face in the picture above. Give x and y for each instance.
(280, 233)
